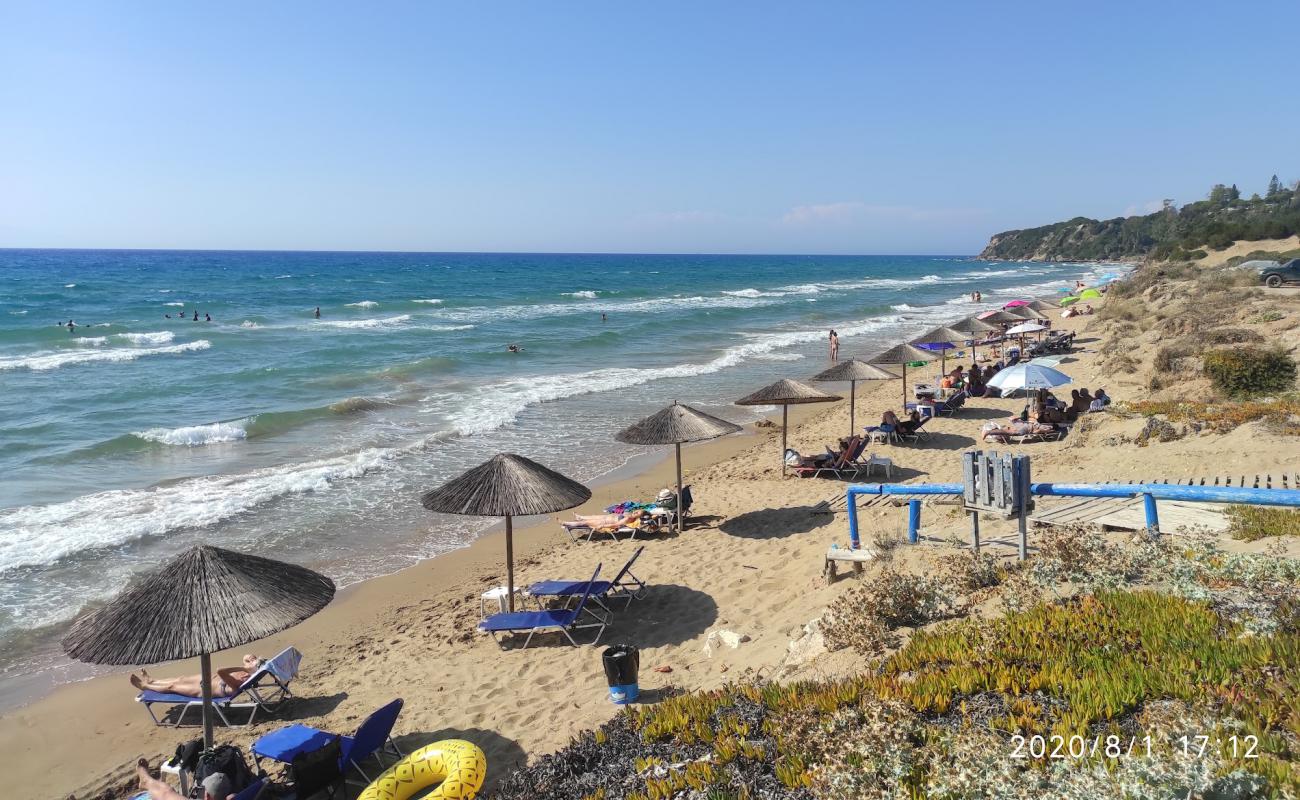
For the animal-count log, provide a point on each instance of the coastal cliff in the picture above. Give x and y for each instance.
(1171, 233)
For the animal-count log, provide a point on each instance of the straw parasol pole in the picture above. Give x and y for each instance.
(507, 485)
(853, 370)
(204, 600)
(902, 354)
(676, 425)
(974, 327)
(786, 393)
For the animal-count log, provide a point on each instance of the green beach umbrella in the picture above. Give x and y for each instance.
(1090, 294)
(1069, 301)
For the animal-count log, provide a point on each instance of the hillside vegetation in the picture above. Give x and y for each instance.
(1172, 233)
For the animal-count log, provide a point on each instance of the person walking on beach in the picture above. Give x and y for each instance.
(835, 346)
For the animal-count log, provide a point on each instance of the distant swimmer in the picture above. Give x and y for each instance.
(207, 317)
(168, 316)
(603, 318)
(196, 315)
(72, 326)
(514, 348)
(317, 312)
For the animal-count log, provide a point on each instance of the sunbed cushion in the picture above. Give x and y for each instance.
(287, 743)
(527, 620)
(558, 588)
(168, 697)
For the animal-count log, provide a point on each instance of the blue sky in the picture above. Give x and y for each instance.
(823, 127)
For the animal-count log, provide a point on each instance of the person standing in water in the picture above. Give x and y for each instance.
(317, 312)
(835, 346)
(603, 318)
(196, 315)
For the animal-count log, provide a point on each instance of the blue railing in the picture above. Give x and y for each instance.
(1149, 492)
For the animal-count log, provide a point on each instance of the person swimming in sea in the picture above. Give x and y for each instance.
(207, 317)
(603, 318)
(196, 315)
(317, 312)
(514, 348)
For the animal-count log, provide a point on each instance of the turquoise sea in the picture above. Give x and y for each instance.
(269, 430)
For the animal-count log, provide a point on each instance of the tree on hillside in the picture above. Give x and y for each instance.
(1274, 187)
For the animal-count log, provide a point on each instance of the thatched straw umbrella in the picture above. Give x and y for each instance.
(507, 485)
(1025, 312)
(903, 354)
(786, 393)
(1042, 306)
(975, 327)
(853, 370)
(1000, 317)
(942, 338)
(676, 425)
(202, 601)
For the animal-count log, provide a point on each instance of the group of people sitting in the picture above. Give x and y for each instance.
(1045, 416)
(973, 381)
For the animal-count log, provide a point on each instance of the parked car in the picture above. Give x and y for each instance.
(1276, 274)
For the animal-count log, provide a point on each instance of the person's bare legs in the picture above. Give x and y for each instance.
(191, 685)
(157, 789)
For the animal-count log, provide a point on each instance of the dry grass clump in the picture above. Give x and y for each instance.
(1122, 310)
(866, 618)
(1251, 523)
(1220, 417)
(1221, 336)
(1267, 315)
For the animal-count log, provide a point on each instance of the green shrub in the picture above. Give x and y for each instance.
(1267, 315)
(1249, 371)
(1250, 523)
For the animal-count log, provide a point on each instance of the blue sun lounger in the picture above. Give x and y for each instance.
(266, 689)
(563, 620)
(625, 585)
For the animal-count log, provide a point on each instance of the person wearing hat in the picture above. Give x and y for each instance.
(215, 787)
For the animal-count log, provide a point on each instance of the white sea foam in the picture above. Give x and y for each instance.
(499, 404)
(174, 304)
(902, 307)
(585, 294)
(433, 301)
(195, 435)
(442, 328)
(155, 338)
(69, 286)
(367, 323)
(47, 361)
(753, 293)
(92, 341)
(363, 304)
(248, 323)
(44, 534)
(779, 357)
(19, 313)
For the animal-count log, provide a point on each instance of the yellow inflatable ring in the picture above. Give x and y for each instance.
(459, 765)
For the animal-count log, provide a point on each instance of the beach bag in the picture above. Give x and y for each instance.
(187, 755)
(226, 759)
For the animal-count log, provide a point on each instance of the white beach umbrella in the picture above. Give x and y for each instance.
(1027, 327)
(1027, 376)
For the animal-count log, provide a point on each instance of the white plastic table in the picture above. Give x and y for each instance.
(499, 594)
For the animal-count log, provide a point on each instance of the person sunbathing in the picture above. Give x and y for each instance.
(1016, 427)
(215, 787)
(600, 522)
(226, 682)
(908, 426)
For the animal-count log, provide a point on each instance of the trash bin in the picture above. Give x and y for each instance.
(622, 663)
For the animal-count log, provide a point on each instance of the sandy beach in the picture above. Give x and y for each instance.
(751, 562)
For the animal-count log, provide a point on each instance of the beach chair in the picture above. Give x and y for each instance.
(556, 620)
(665, 515)
(613, 524)
(917, 433)
(373, 738)
(625, 585)
(844, 463)
(267, 689)
(951, 404)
